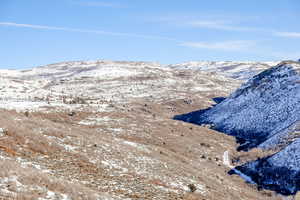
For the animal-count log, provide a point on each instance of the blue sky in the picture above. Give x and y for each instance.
(38, 32)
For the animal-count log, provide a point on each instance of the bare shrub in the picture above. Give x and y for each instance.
(192, 187)
(77, 100)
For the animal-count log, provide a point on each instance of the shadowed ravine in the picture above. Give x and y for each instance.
(198, 118)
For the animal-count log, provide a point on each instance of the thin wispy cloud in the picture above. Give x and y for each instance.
(99, 32)
(288, 34)
(238, 45)
(219, 25)
(106, 4)
(228, 24)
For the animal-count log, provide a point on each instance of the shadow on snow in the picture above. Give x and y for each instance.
(287, 180)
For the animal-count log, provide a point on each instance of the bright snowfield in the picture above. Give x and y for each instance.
(104, 130)
(264, 112)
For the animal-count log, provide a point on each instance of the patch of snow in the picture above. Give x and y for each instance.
(69, 148)
(20, 106)
(97, 120)
(138, 146)
(226, 162)
(2, 132)
(113, 164)
(54, 196)
(24, 163)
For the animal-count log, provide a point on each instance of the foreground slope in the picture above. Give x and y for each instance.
(103, 130)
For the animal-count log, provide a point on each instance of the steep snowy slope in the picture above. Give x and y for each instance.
(279, 172)
(237, 70)
(265, 105)
(264, 112)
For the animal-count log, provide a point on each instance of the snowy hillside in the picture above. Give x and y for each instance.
(261, 107)
(279, 172)
(100, 83)
(264, 112)
(237, 70)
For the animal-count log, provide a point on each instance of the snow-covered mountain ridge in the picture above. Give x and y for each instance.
(242, 70)
(100, 69)
(99, 81)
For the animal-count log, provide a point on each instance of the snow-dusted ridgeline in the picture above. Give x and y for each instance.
(242, 70)
(99, 83)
